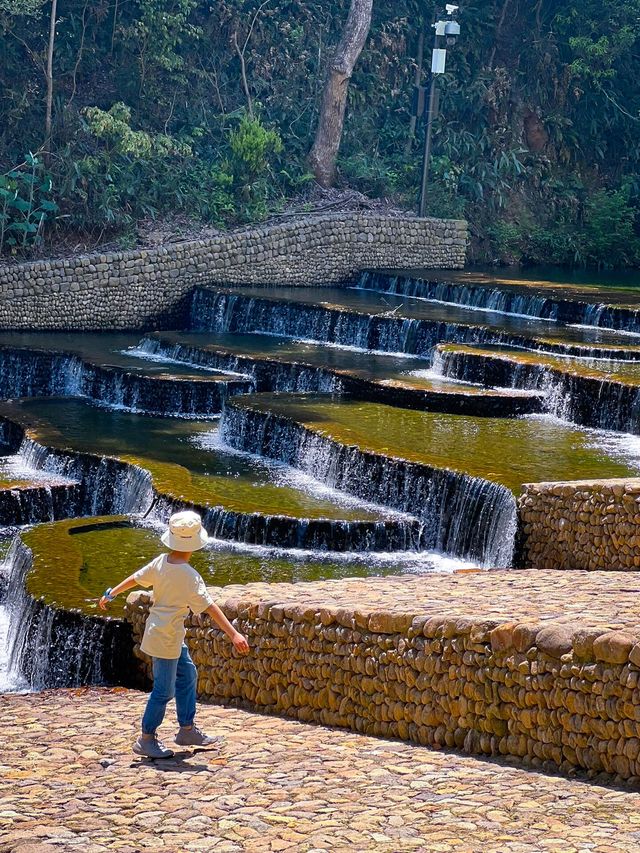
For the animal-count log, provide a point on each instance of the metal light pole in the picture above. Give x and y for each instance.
(448, 29)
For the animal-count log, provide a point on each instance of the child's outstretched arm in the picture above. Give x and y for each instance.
(123, 586)
(240, 643)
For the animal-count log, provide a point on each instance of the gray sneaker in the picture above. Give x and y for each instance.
(152, 748)
(194, 737)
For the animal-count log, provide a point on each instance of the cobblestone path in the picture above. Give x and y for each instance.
(68, 781)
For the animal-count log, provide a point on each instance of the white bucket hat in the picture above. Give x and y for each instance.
(185, 532)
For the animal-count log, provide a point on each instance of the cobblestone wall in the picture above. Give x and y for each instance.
(580, 525)
(140, 289)
(552, 695)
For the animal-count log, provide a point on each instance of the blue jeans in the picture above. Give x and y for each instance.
(171, 677)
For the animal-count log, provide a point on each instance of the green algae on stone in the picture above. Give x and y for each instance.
(619, 289)
(169, 449)
(75, 561)
(623, 372)
(508, 452)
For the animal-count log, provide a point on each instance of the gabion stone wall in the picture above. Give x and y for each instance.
(142, 289)
(552, 694)
(591, 524)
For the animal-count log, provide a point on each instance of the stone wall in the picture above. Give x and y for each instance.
(398, 657)
(591, 524)
(143, 289)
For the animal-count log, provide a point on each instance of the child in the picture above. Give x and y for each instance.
(177, 588)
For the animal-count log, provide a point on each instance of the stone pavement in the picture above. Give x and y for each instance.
(68, 781)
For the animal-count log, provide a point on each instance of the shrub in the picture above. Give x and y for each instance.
(609, 228)
(252, 147)
(25, 205)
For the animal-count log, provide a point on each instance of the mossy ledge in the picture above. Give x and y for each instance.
(592, 397)
(27, 372)
(110, 485)
(271, 374)
(615, 309)
(462, 515)
(58, 647)
(232, 310)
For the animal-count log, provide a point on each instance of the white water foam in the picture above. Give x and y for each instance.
(285, 475)
(15, 467)
(410, 562)
(436, 375)
(623, 332)
(132, 410)
(346, 347)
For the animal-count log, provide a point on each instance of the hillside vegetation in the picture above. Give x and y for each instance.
(114, 111)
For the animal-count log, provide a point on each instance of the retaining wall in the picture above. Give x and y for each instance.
(396, 657)
(143, 289)
(590, 524)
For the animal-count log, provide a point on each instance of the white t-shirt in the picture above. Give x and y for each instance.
(177, 588)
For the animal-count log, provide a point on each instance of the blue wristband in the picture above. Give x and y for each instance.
(107, 594)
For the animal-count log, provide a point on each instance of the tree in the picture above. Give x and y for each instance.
(323, 154)
(49, 73)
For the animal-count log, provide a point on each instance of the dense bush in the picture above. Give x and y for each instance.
(125, 174)
(603, 236)
(26, 205)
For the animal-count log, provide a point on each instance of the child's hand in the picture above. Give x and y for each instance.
(240, 644)
(103, 604)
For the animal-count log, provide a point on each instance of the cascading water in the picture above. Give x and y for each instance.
(420, 508)
(36, 373)
(49, 647)
(381, 331)
(264, 374)
(460, 515)
(521, 302)
(587, 400)
(458, 293)
(109, 487)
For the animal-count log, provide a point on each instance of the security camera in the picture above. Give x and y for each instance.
(451, 9)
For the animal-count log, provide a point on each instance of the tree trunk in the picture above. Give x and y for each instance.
(49, 75)
(322, 157)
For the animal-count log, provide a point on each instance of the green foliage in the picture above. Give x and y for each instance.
(609, 228)
(28, 8)
(114, 128)
(126, 174)
(605, 237)
(251, 149)
(26, 205)
(158, 36)
(539, 114)
(374, 176)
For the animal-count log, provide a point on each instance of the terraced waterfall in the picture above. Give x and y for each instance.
(380, 428)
